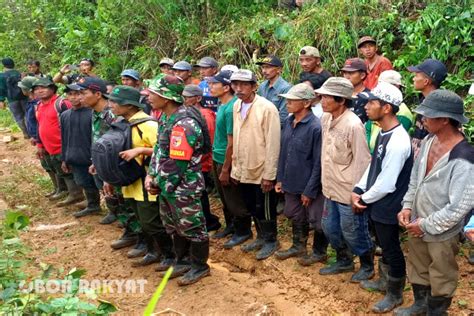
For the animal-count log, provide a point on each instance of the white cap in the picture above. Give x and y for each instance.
(392, 77)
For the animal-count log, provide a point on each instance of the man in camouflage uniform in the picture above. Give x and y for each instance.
(175, 173)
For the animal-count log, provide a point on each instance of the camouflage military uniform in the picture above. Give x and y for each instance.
(180, 181)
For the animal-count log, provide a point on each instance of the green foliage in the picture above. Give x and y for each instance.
(7, 121)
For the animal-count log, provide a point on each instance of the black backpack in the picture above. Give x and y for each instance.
(196, 115)
(13, 90)
(105, 154)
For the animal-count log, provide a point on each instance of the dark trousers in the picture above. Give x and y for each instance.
(83, 178)
(148, 214)
(54, 163)
(261, 205)
(211, 219)
(231, 197)
(299, 214)
(392, 253)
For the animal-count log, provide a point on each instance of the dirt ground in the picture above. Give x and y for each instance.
(238, 285)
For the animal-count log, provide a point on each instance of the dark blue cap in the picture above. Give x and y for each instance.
(222, 77)
(91, 83)
(270, 60)
(433, 68)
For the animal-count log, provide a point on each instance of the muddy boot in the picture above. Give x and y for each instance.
(61, 192)
(229, 227)
(271, 245)
(140, 248)
(181, 249)
(127, 239)
(343, 263)
(381, 283)
(165, 244)
(300, 238)
(113, 205)
(52, 176)
(393, 296)
(151, 256)
(438, 305)
(256, 244)
(419, 306)
(366, 270)
(243, 232)
(319, 254)
(93, 203)
(75, 193)
(199, 253)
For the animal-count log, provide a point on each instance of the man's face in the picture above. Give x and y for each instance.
(85, 67)
(329, 104)
(355, 77)
(243, 89)
(166, 69)
(296, 106)
(190, 101)
(270, 72)
(374, 110)
(156, 101)
(217, 89)
(43, 93)
(127, 81)
(433, 125)
(368, 50)
(309, 63)
(117, 109)
(110, 88)
(420, 81)
(75, 98)
(89, 97)
(33, 69)
(183, 74)
(207, 72)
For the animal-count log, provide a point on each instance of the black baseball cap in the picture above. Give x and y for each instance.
(222, 77)
(91, 83)
(271, 60)
(433, 68)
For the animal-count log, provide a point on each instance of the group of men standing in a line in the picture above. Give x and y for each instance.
(336, 150)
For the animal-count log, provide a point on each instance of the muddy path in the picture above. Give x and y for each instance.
(238, 285)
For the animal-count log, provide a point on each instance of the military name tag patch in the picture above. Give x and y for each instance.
(179, 146)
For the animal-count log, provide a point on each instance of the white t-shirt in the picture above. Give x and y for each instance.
(317, 110)
(244, 108)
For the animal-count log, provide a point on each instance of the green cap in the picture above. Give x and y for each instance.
(27, 83)
(169, 87)
(300, 91)
(124, 95)
(42, 82)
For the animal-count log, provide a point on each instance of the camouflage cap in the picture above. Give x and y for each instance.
(169, 87)
(27, 83)
(300, 91)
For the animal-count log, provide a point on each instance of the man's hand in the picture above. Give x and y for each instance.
(278, 188)
(130, 154)
(414, 228)
(306, 201)
(224, 177)
(108, 189)
(404, 217)
(234, 181)
(266, 185)
(92, 170)
(150, 186)
(357, 206)
(470, 234)
(65, 168)
(40, 152)
(65, 69)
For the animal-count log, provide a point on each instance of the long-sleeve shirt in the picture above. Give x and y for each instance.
(256, 141)
(271, 93)
(48, 125)
(299, 165)
(444, 196)
(345, 155)
(385, 181)
(374, 72)
(76, 136)
(210, 118)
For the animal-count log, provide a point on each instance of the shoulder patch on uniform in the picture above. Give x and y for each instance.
(179, 146)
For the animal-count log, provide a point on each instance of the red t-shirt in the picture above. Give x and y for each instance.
(373, 74)
(210, 117)
(49, 130)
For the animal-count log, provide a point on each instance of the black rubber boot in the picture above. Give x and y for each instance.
(300, 238)
(438, 305)
(74, 195)
(381, 283)
(61, 192)
(419, 306)
(256, 244)
(319, 254)
(243, 232)
(229, 226)
(366, 270)
(271, 245)
(343, 263)
(151, 256)
(140, 248)
(165, 245)
(93, 203)
(212, 221)
(199, 254)
(181, 247)
(113, 205)
(52, 176)
(127, 239)
(393, 296)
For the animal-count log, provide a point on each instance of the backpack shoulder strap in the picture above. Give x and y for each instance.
(136, 123)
